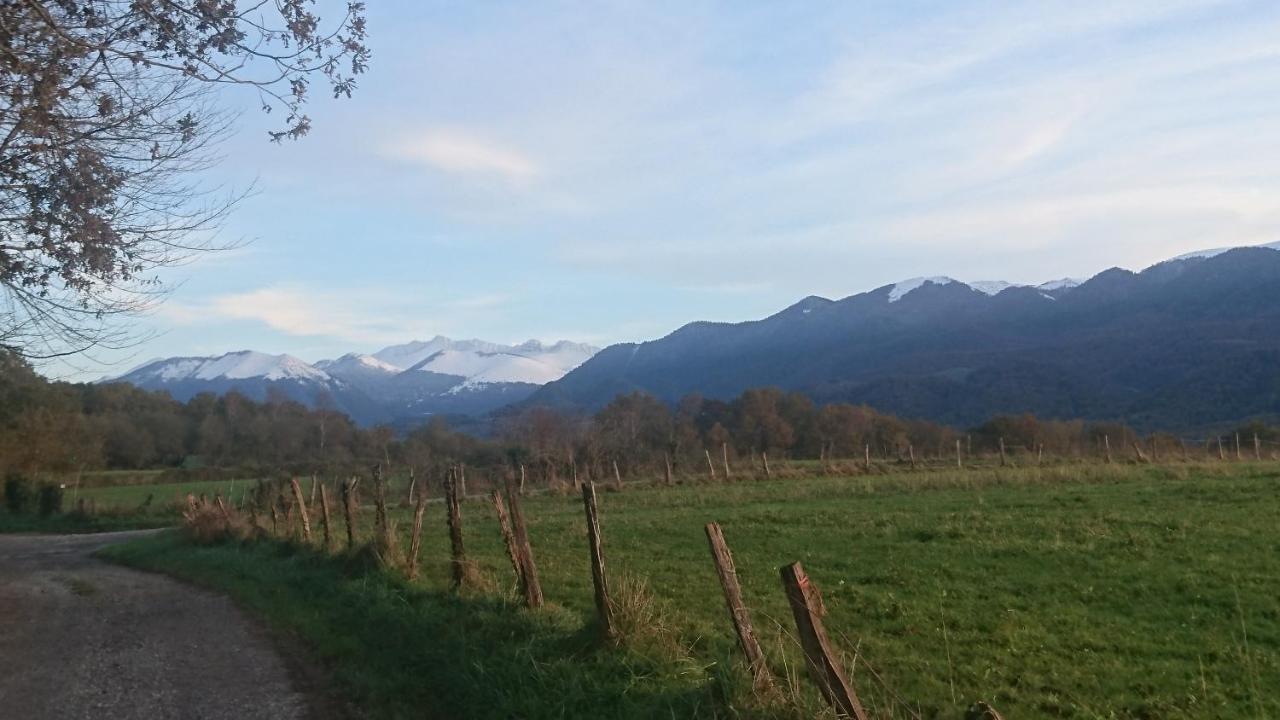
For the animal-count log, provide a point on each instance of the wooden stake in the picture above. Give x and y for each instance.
(313, 490)
(617, 476)
(348, 511)
(324, 519)
(1221, 454)
(413, 482)
(1257, 448)
(738, 612)
(959, 459)
(1238, 457)
(504, 526)
(666, 459)
(462, 481)
(1106, 443)
(1142, 457)
(824, 667)
(710, 465)
(724, 454)
(415, 538)
(764, 459)
(604, 606)
(382, 523)
(867, 457)
(911, 453)
(529, 584)
(522, 477)
(1003, 459)
(1040, 454)
(302, 509)
(457, 557)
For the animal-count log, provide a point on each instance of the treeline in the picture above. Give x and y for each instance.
(54, 427)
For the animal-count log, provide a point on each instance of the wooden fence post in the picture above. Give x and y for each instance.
(1257, 448)
(617, 476)
(764, 460)
(302, 509)
(867, 457)
(413, 483)
(1004, 460)
(1238, 456)
(1137, 449)
(457, 558)
(313, 490)
(415, 538)
(724, 454)
(324, 519)
(824, 667)
(710, 465)
(604, 605)
(738, 612)
(911, 453)
(1221, 455)
(522, 478)
(666, 458)
(1106, 444)
(462, 481)
(529, 584)
(959, 459)
(504, 526)
(348, 511)
(382, 522)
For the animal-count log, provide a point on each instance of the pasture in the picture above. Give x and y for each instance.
(1077, 591)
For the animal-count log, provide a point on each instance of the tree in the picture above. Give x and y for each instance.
(106, 111)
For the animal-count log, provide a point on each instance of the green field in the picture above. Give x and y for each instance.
(1086, 592)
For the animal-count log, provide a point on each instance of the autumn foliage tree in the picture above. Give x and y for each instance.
(107, 116)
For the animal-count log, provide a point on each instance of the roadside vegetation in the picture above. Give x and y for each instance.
(1124, 590)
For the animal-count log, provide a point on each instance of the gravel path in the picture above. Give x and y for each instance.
(80, 638)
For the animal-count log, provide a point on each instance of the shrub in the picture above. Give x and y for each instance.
(17, 493)
(49, 499)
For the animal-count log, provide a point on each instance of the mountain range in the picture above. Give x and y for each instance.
(1190, 343)
(400, 383)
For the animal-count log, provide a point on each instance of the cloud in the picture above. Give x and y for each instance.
(459, 152)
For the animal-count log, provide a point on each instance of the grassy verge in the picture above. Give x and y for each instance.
(1080, 592)
(63, 523)
(396, 650)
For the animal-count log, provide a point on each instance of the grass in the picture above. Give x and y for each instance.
(64, 523)
(1076, 592)
(129, 497)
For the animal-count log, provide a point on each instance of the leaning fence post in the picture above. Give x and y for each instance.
(724, 454)
(413, 482)
(508, 539)
(324, 518)
(764, 460)
(1003, 459)
(604, 606)
(529, 584)
(824, 667)
(415, 538)
(302, 509)
(1257, 448)
(666, 459)
(348, 511)
(617, 476)
(723, 559)
(454, 517)
(710, 465)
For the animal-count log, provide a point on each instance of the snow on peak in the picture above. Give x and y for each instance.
(357, 361)
(1218, 251)
(530, 362)
(991, 287)
(233, 366)
(1062, 284)
(409, 354)
(902, 289)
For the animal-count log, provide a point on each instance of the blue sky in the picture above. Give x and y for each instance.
(607, 171)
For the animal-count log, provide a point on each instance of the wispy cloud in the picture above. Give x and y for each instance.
(462, 152)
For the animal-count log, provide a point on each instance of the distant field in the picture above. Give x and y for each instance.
(128, 497)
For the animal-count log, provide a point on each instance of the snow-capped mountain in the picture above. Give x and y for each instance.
(1186, 343)
(416, 379)
(256, 375)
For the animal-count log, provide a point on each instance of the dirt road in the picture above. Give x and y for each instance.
(80, 638)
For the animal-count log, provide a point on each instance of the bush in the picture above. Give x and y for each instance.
(17, 493)
(50, 499)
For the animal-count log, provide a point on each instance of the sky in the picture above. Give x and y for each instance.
(609, 171)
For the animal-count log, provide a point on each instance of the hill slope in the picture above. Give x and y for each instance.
(1188, 343)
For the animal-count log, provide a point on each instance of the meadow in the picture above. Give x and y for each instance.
(1082, 591)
